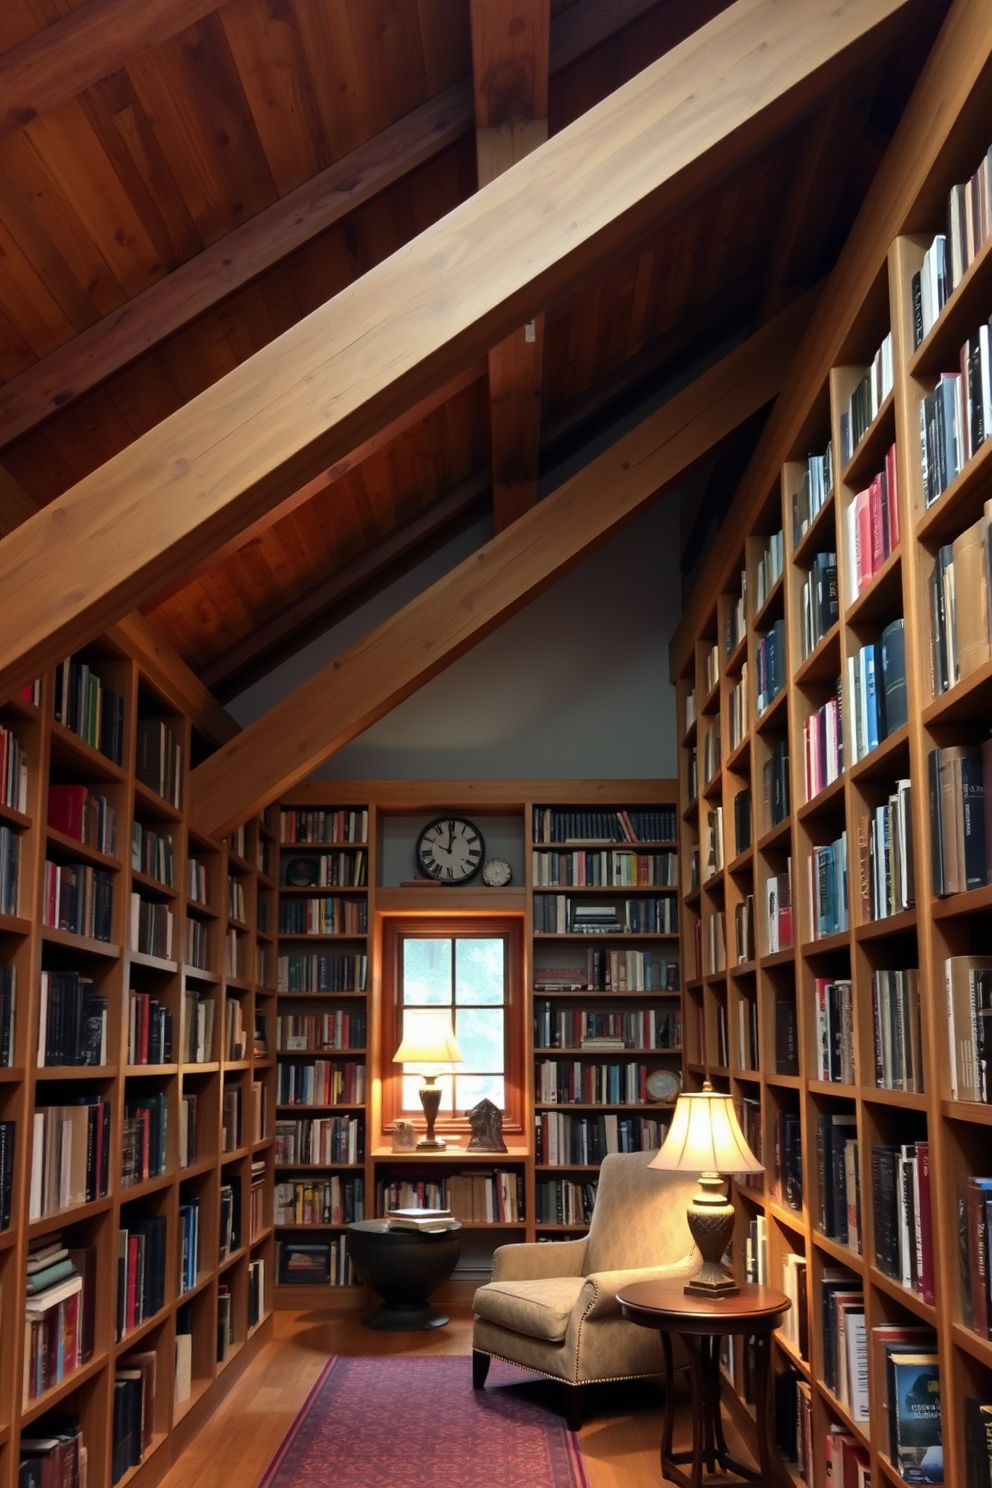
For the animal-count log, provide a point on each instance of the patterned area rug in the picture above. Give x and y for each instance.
(417, 1422)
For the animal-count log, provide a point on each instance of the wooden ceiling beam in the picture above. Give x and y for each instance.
(88, 44)
(226, 266)
(163, 666)
(370, 564)
(467, 604)
(421, 316)
(905, 197)
(510, 44)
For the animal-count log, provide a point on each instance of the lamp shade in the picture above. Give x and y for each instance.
(428, 1038)
(705, 1137)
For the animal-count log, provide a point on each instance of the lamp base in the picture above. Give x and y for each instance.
(430, 1144)
(710, 1217)
(722, 1286)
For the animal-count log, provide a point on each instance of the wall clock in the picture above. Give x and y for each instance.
(450, 849)
(663, 1085)
(497, 873)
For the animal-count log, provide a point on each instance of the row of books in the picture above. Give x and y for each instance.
(93, 712)
(335, 1200)
(341, 1029)
(330, 825)
(968, 993)
(562, 1140)
(59, 1313)
(605, 969)
(873, 525)
(140, 1271)
(567, 824)
(769, 569)
(196, 881)
(960, 845)
(72, 1020)
(876, 690)
(257, 1199)
(711, 750)
(236, 907)
(78, 898)
(812, 493)
(319, 1142)
(583, 1082)
(10, 869)
(13, 771)
(345, 869)
(189, 1242)
(736, 618)
(327, 971)
(70, 1155)
(788, 1159)
(133, 1411)
(737, 708)
(895, 1008)
(901, 1203)
(325, 1082)
(78, 812)
(159, 759)
(199, 1021)
(795, 1324)
(332, 915)
(955, 416)
(775, 786)
(558, 914)
(150, 928)
(8, 1003)
(770, 666)
(819, 604)
(54, 1453)
(976, 1230)
(712, 668)
(778, 910)
(324, 1264)
(616, 868)
(144, 1143)
(834, 1030)
(231, 1113)
(838, 1177)
(562, 1201)
(823, 746)
(495, 1197)
(229, 1195)
(187, 1129)
(961, 635)
(885, 857)
(7, 1140)
(574, 1028)
(869, 394)
(828, 888)
(153, 853)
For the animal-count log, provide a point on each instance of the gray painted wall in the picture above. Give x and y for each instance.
(574, 686)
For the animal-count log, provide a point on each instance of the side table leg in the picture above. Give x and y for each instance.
(762, 1356)
(668, 1430)
(700, 1426)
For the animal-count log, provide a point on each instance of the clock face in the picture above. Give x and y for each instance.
(450, 849)
(664, 1085)
(497, 873)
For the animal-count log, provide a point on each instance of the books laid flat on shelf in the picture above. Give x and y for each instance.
(304, 1265)
(428, 1221)
(815, 489)
(873, 525)
(72, 1020)
(59, 1314)
(959, 844)
(53, 1454)
(976, 1226)
(895, 1006)
(866, 400)
(968, 990)
(76, 811)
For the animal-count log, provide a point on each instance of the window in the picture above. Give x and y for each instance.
(471, 969)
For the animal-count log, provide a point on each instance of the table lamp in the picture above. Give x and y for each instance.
(705, 1138)
(428, 1039)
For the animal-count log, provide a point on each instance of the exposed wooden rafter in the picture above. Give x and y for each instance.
(510, 90)
(463, 607)
(226, 266)
(418, 318)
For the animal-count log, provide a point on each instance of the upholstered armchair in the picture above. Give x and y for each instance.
(553, 1308)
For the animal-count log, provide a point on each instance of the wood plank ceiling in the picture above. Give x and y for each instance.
(181, 183)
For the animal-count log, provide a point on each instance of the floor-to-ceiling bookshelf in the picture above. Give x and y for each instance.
(771, 1020)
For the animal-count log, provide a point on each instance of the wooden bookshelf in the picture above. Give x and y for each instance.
(129, 974)
(768, 1000)
(506, 809)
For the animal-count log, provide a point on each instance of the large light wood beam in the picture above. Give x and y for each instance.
(86, 45)
(163, 666)
(222, 269)
(457, 612)
(905, 197)
(247, 443)
(510, 87)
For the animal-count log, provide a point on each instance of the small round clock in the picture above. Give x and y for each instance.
(663, 1085)
(450, 849)
(497, 873)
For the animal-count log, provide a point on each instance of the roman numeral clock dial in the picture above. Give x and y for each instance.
(450, 849)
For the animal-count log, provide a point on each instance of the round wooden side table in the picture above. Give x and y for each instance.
(755, 1312)
(404, 1267)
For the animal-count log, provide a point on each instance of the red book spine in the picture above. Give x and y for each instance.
(131, 1302)
(892, 496)
(926, 1227)
(66, 810)
(875, 511)
(863, 512)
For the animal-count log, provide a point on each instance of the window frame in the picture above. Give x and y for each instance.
(397, 928)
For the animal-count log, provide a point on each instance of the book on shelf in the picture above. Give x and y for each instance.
(88, 708)
(736, 613)
(744, 929)
(189, 1241)
(333, 915)
(819, 606)
(133, 1411)
(149, 1030)
(430, 1221)
(903, 1221)
(713, 861)
(778, 911)
(895, 1005)
(78, 898)
(150, 928)
(59, 1314)
(775, 786)
(828, 889)
(769, 569)
(302, 1264)
(795, 1324)
(584, 824)
(614, 867)
(231, 1128)
(873, 525)
(230, 1215)
(840, 1292)
(225, 1321)
(876, 690)
(141, 1264)
(328, 971)
(323, 824)
(954, 416)
(885, 857)
(978, 1442)
(869, 394)
(565, 1140)
(747, 1032)
(78, 812)
(756, 1251)
(835, 1132)
(712, 667)
(153, 854)
(959, 855)
(256, 1291)
(834, 1029)
(812, 493)
(53, 1453)
(145, 1138)
(72, 1020)
(187, 1128)
(913, 1398)
(158, 759)
(788, 1158)
(200, 1011)
(770, 665)
(849, 1348)
(968, 993)
(742, 821)
(930, 288)
(738, 707)
(975, 1222)
(563, 1202)
(336, 1200)
(13, 771)
(847, 1462)
(823, 745)
(319, 1141)
(70, 1155)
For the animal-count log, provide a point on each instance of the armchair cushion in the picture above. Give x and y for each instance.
(533, 1261)
(539, 1309)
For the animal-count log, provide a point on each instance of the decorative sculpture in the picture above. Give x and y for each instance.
(486, 1121)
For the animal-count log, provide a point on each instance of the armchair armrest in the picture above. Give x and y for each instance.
(533, 1262)
(598, 1298)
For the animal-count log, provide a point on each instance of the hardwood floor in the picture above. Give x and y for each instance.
(619, 1440)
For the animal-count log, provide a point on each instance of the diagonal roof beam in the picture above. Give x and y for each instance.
(463, 607)
(224, 267)
(231, 454)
